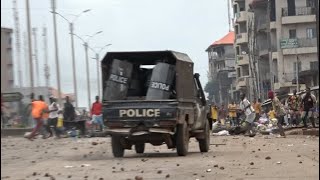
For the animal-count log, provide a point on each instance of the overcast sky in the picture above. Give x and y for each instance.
(188, 26)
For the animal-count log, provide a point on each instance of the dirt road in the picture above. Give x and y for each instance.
(295, 157)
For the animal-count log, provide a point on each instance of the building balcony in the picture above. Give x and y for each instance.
(262, 23)
(274, 55)
(300, 15)
(298, 46)
(273, 25)
(241, 16)
(241, 83)
(242, 59)
(242, 38)
(263, 51)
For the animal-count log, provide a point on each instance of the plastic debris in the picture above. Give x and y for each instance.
(208, 170)
(221, 133)
(68, 166)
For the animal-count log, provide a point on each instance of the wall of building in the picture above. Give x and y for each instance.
(7, 73)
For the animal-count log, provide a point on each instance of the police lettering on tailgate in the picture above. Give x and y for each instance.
(139, 113)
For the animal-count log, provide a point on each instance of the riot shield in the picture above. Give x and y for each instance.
(119, 79)
(161, 82)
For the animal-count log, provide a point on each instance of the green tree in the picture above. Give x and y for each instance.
(212, 88)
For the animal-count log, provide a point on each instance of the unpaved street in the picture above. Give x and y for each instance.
(238, 157)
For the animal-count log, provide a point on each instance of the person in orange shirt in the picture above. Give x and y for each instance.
(38, 110)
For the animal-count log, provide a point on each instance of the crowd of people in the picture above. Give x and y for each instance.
(290, 112)
(53, 121)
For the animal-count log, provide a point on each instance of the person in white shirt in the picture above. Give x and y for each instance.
(53, 117)
(249, 112)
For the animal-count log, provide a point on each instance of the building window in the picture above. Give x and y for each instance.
(292, 33)
(311, 33)
(311, 3)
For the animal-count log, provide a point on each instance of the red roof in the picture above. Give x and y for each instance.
(227, 39)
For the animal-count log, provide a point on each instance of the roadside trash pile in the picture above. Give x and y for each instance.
(263, 126)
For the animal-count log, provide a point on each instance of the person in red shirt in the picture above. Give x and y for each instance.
(96, 113)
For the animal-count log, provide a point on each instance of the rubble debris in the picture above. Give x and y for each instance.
(138, 178)
(94, 143)
(268, 158)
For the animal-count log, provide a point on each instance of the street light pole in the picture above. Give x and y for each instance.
(71, 28)
(98, 67)
(56, 50)
(74, 65)
(86, 46)
(98, 74)
(30, 46)
(88, 75)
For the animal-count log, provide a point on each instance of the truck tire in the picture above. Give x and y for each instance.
(139, 148)
(117, 148)
(182, 139)
(205, 143)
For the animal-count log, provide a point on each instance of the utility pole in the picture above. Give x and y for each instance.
(26, 59)
(98, 74)
(269, 45)
(229, 19)
(34, 33)
(30, 46)
(56, 50)
(317, 28)
(88, 78)
(74, 65)
(46, 65)
(18, 46)
(297, 73)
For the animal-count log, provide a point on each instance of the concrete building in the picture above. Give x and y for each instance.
(7, 73)
(222, 68)
(281, 45)
(293, 32)
(243, 49)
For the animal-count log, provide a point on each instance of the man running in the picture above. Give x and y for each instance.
(308, 103)
(38, 109)
(53, 117)
(248, 110)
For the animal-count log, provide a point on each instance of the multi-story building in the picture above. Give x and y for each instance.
(281, 45)
(222, 67)
(243, 50)
(293, 32)
(7, 73)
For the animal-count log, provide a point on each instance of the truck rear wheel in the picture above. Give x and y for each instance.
(139, 148)
(205, 143)
(182, 139)
(117, 148)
